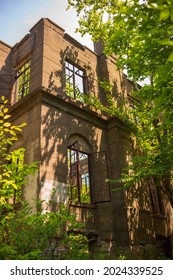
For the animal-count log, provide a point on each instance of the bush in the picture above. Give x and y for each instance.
(39, 236)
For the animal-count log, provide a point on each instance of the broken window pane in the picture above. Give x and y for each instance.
(79, 175)
(74, 81)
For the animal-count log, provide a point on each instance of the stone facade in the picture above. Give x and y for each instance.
(55, 121)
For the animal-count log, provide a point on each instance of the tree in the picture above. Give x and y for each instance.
(140, 33)
(13, 170)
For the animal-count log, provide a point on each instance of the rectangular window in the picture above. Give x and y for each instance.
(74, 81)
(79, 176)
(23, 80)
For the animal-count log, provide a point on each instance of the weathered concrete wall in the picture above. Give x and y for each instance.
(5, 70)
(29, 48)
(29, 111)
(119, 146)
(59, 46)
(59, 123)
(108, 71)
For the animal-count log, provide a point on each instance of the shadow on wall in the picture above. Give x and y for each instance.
(72, 55)
(149, 233)
(6, 75)
(57, 126)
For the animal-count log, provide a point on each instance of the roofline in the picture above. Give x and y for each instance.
(47, 19)
(5, 44)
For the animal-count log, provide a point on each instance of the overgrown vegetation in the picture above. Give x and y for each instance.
(24, 234)
(140, 34)
(13, 170)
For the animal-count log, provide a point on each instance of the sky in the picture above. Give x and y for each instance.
(17, 17)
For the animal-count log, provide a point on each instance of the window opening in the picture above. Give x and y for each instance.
(23, 80)
(74, 81)
(79, 174)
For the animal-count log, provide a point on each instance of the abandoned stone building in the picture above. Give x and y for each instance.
(45, 77)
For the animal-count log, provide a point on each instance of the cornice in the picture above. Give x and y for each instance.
(66, 104)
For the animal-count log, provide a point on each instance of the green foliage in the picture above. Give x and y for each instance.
(74, 92)
(78, 247)
(131, 29)
(84, 194)
(24, 235)
(111, 109)
(13, 171)
(140, 34)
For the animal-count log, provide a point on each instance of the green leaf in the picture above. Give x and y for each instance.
(5, 110)
(164, 15)
(170, 58)
(7, 124)
(7, 117)
(166, 42)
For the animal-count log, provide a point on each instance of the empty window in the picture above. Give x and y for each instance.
(79, 177)
(74, 81)
(23, 80)
(88, 171)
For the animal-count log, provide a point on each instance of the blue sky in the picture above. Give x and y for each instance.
(18, 16)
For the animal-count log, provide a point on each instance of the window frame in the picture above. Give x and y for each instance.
(72, 74)
(23, 79)
(75, 170)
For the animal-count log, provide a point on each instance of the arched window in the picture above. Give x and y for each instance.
(88, 171)
(79, 170)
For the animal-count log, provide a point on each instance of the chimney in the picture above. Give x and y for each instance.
(98, 47)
